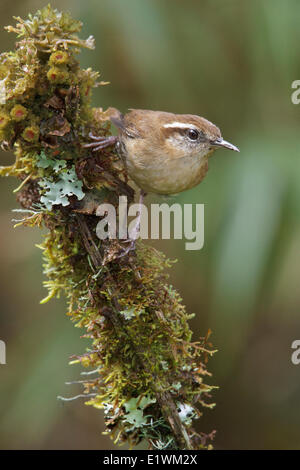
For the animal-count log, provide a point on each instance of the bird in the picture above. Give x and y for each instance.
(163, 153)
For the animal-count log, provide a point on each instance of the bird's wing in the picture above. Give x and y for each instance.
(124, 127)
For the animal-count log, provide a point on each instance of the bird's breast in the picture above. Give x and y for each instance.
(156, 172)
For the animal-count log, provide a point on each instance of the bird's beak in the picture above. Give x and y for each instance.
(223, 143)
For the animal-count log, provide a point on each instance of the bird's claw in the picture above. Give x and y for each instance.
(100, 142)
(131, 247)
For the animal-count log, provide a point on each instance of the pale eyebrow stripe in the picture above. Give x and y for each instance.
(180, 125)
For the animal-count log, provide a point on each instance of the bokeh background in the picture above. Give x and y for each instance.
(232, 62)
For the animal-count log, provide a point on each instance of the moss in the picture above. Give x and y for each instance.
(4, 119)
(149, 374)
(57, 75)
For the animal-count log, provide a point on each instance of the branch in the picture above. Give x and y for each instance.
(164, 399)
(149, 375)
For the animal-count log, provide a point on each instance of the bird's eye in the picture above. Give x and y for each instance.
(193, 134)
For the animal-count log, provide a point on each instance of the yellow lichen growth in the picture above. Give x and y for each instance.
(57, 75)
(31, 133)
(18, 112)
(59, 57)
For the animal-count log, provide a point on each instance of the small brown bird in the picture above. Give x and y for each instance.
(163, 153)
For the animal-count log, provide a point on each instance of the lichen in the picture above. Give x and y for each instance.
(18, 113)
(147, 373)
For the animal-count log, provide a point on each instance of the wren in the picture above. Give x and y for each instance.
(163, 153)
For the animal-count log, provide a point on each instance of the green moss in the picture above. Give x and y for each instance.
(149, 373)
(31, 133)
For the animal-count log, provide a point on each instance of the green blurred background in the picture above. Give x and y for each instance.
(232, 62)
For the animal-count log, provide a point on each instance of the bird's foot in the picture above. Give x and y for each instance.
(134, 233)
(100, 142)
(131, 247)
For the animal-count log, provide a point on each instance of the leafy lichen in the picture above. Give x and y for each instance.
(149, 373)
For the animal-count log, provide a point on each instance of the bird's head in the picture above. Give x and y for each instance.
(189, 135)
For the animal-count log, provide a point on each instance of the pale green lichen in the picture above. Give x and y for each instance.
(60, 186)
(135, 411)
(186, 413)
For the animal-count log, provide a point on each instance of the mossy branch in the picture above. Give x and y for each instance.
(149, 374)
(164, 398)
